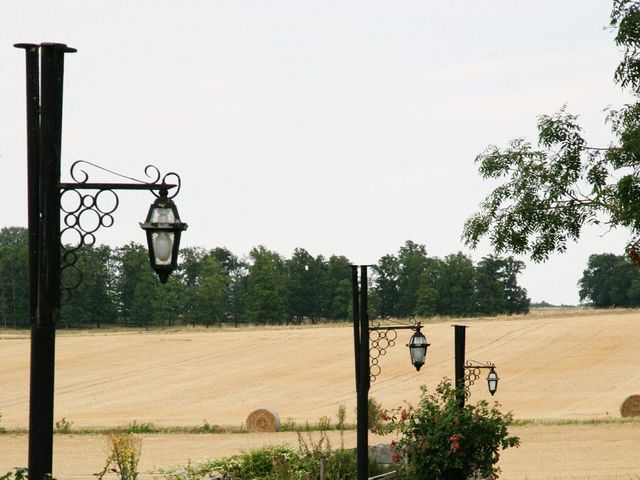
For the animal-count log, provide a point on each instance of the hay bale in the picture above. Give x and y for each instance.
(631, 406)
(263, 420)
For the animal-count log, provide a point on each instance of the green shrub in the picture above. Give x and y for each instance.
(375, 412)
(342, 417)
(206, 427)
(124, 451)
(18, 474)
(440, 440)
(135, 427)
(288, 425)
(267, 463)
(280, 462)
(324, 423)
(63, 425)
(190, 471)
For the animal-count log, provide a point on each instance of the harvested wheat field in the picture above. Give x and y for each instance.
(576, 365)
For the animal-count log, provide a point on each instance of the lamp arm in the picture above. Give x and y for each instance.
(382, 337)
(472, 373)
(88, 206)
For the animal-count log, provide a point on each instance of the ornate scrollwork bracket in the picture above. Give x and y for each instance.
(472, 371)
(380, 339)
(87, 206)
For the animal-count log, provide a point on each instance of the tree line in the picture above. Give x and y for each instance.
(215, 286)
(610, 281)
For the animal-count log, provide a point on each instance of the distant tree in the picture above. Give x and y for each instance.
(189, 273)
(550, 192)
(238, 288)
(426, 301)
(14, 236)
(132, 268)
(412, 262)
(610, 281)
(14, 277)
(456, 286)
(93, 300)
(190, 266)
(227, 260)
(266, 288)
(303, 285)
(143, 310)
(497, 289)
(542, 304)
(385, 286)
(212, 291)
(490, 294)
(234, 286)
(172, 306)
(516, 296)
(342, 300)
(338, 297)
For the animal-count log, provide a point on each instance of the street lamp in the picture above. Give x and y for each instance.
(82, 218)
(163, 228)
(468, 372)
(492, 381)
(371, 343)
(418, 349)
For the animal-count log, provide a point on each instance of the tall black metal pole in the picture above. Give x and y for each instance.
(44, 137)
(460, 334)
(363, 381)
(33, 168)
(356, 321)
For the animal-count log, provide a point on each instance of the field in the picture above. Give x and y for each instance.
(553, 366)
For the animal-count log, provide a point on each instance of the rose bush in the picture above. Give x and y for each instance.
(437, 439)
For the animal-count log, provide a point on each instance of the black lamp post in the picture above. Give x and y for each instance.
(45, 71)
(370, 343)
(468, 372)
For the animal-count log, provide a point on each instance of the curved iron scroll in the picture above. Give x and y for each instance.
(472, 373)
(86, 207)
(380, 339)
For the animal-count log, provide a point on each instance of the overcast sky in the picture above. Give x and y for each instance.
(343, 127)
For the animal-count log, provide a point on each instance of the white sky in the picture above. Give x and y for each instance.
(340, 127)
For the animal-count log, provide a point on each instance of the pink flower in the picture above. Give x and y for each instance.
(374, 429)
(404, 415)
(455, 438)
(455, 446)
(395, 456)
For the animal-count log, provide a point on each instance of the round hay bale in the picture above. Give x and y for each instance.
(631, 406)
(263, 420)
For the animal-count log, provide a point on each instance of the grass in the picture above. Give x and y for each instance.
(290, 426)
(206, 428)
(524, 422)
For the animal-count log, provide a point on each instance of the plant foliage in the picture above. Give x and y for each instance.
(438, 439)
(123, 456)
(548, 192)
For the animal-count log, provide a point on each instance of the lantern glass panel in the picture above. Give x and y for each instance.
(492, 382)
(162, 247)
(162, 215)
